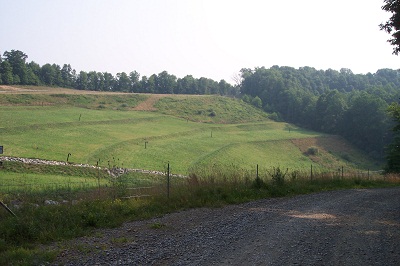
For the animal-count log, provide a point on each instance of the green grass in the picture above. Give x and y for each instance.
(35, 224)
(210, 109)
(236, 134)
(118, 137)
(217, 141)
(209, 185)
(195, 145)
(93, 101)
(60, 183)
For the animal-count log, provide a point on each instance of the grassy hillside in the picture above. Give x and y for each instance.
(187, 131)
(218, 140)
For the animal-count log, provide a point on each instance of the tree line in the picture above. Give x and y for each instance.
(15, 70)
(336, 102)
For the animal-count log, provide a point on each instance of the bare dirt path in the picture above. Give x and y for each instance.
(148, 104)
(348, 227)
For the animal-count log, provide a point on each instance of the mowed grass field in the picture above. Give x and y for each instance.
(185, 131)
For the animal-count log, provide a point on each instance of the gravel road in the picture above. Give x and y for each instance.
(347, 227)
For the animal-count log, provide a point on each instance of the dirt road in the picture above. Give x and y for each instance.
(348, 227)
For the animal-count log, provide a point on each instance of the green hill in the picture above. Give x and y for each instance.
(148, 131)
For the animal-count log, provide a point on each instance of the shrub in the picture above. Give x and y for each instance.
(278, 176)
(258, 183)
(212, 113)
(312, 151)
(275, 116)
(346, 157)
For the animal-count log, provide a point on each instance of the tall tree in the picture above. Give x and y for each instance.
(392, 26)
(393, 152)
(6, 73)
(166, 83)
(82, 81)
(67, 75)
(108, 81)
(34, 71)
(135, 83)
(366, 122)
(123, 82)
(330, 109)
(48, 75)
(17, 60)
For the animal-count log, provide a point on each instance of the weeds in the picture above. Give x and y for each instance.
(157, 226)
(278, 176)
(211, 186)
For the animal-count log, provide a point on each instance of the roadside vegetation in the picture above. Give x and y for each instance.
(53, 214)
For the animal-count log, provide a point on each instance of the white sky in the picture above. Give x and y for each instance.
(204, 38)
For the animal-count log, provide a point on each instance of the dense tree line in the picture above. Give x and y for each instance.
(337, 102)
(14, 69)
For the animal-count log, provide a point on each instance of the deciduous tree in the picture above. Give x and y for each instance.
(392, 26)
(393, 151)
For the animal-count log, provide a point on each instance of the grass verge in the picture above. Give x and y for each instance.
(37, 224)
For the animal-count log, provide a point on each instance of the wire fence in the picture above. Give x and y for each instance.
(122, 187)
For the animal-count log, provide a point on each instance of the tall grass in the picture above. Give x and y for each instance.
(211, 186)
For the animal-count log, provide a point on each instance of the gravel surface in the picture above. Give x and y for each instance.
(347, 227)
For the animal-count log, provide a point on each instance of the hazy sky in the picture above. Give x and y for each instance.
(204, 38)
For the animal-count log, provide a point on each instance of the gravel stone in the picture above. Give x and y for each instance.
(347, 227)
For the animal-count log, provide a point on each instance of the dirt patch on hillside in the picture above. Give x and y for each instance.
(148, 104)
(328, 149)
(333, 144)
(12, 89)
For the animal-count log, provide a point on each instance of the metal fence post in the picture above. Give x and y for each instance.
(342, 172)
(311, 173)
(168, 181)
(257, 172)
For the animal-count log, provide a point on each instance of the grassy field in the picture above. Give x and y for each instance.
(186, 131)
(189, 132)
(217, 141)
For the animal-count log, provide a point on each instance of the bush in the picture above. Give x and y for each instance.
(312, 151)
(212, 114)
(278, 176)
(258, 183)
(275, 116)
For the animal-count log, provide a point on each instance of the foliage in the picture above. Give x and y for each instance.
(392, 26)
(38, 223)
(393, 153)
(335, 102)
(278, 176)
(312, 151)
(15, 70)
(325, 100)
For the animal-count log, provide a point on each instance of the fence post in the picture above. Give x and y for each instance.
(311, 173)
(342, 172)
(168, 181)
(257, 172)
(5, 207)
